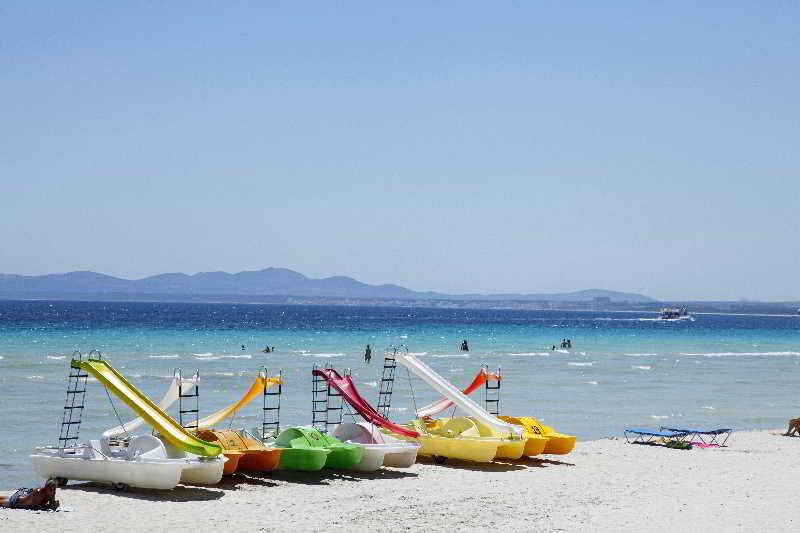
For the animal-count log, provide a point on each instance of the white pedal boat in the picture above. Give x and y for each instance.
(145, 462)
(380, 449)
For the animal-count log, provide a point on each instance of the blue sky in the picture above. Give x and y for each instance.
(528, 147)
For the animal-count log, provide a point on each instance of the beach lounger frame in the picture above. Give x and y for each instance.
(647, 436)
(710, 437)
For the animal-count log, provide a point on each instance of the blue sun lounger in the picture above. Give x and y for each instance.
(648, 436)
(709, 437)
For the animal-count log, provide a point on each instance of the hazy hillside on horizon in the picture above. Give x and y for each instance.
(267, 282)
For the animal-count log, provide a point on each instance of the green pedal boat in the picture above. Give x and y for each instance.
(308, 450)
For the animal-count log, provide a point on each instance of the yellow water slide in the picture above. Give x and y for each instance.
(261, 384)
(146, 408)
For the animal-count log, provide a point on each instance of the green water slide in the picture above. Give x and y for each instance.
(145, 408)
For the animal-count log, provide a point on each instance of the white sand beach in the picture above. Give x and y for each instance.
(605, 485)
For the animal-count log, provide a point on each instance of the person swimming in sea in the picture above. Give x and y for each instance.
(266, 349)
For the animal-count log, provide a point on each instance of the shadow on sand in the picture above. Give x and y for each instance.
(178, 494)
(494, 466)
(535, 462)
(323, 477)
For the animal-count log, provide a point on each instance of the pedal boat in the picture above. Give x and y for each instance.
(144, 463)
(379, 449)
(556, 443)
(246, 452)
(511, 447)
(306, 449)
(456, 438)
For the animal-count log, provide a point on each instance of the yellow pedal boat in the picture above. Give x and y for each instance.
(456, 438)
(508, 449)
(555, 443)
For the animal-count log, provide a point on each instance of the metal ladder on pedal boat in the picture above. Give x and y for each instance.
(271, 408)
(387, 380)
(321, 404)
(73, 404)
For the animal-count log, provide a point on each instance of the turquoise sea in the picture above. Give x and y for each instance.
(624, 369)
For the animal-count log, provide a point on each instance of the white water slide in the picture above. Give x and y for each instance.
(446, 389)
(169, 398)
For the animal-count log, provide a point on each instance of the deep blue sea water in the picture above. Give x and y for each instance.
(624, 368)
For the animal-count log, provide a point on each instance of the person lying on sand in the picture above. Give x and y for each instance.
(794, 428)
(40, 499)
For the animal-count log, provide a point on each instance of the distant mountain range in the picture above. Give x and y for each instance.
(250, 285)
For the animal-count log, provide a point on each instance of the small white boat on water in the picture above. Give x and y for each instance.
(380, 449)
(143, 461)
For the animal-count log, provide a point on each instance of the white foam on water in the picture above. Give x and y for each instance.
(739, 354)
(403, 336)
(659, 417)
(373, 384)
(450, 355)
(641, 367)
(399, 409)
(455, 370)
(559, 350)
(590, 382)
(1, 357)
(418, 354)
(709, 407)
(580, 364)
(34, 377)
(327, 355)
(163, 356)
(225, 374)
(640, 354)
(204, 354)
(529, 354)
(54, 357)
(298, 351)
(218, 357)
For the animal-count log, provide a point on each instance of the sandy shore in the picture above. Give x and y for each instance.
(604, 485)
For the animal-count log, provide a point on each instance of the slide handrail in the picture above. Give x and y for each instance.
(170, 397)
(171, 430)
(261, 383)
(446, 389)
(350, 393)
(443, 404)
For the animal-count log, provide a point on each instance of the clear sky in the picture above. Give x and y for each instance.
(461, 147)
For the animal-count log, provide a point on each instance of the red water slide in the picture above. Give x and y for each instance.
(348, 390)
(478, 381)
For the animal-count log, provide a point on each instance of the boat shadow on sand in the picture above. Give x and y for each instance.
(494, 466)
(179, 494)
(535, 462)
(324, 477)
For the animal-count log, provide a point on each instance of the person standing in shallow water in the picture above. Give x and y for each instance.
(368, 354)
